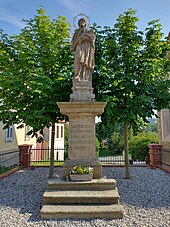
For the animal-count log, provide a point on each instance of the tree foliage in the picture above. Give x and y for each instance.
(134, 71)
(138, 145)
(35, 72)
(113, 135)
(131, 72)
(137, 70)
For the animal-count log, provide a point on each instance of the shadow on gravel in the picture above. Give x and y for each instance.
(146, 188)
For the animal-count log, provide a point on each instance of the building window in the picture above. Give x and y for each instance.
(61, 131)
(57, 135)
(9, 134)
(27, 129)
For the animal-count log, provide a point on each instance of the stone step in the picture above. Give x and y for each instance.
(81, 197)
(95, 184)
(114, 211)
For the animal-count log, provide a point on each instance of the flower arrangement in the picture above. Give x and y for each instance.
(79, 169)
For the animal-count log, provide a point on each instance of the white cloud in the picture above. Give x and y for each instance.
(72, 8)
(8, 17)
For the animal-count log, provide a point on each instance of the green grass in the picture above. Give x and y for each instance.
(4, 169)
(46, 163)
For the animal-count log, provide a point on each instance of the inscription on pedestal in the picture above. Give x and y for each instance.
(82, 138)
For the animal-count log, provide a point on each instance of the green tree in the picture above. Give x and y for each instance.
(151, 126)
(35, 74)
(113, 134)
(137, 73)
(115, 143)
(100, 81)
(97, 147)
(138, 145)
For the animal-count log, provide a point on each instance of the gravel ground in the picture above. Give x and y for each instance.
(145, 197)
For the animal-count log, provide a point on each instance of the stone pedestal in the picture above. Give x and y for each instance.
(82, 91)
(82, 148)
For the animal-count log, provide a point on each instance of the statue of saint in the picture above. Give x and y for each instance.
(83, 45)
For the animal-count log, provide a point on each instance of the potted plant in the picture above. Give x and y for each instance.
(81, 173)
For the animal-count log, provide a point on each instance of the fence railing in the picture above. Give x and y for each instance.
(41, 157)
(119, 160)
(9, 159)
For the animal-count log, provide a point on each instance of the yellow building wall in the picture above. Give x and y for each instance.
(18, 139)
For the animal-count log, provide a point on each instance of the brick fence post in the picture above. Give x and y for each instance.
(155, 151)
(24, 155)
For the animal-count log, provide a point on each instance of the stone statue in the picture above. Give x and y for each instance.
(83, 46)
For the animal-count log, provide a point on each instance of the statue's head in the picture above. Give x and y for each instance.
(82, 23)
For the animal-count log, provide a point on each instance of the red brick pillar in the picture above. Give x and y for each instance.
(24, 155)
(155, 151)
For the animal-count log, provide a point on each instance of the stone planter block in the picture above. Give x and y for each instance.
(81, 177)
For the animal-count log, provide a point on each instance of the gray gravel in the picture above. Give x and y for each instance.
(145, 197)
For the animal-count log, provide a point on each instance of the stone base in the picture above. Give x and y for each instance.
(68, 165)
(113, 211)
(82, 91)
(81, 200)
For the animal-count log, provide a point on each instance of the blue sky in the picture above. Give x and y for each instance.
(102, 12)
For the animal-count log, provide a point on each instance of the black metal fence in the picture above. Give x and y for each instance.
(9, 159)
(119, 160)
(41, 157)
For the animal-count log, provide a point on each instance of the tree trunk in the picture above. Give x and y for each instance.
(51, 172)
(127, 172)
